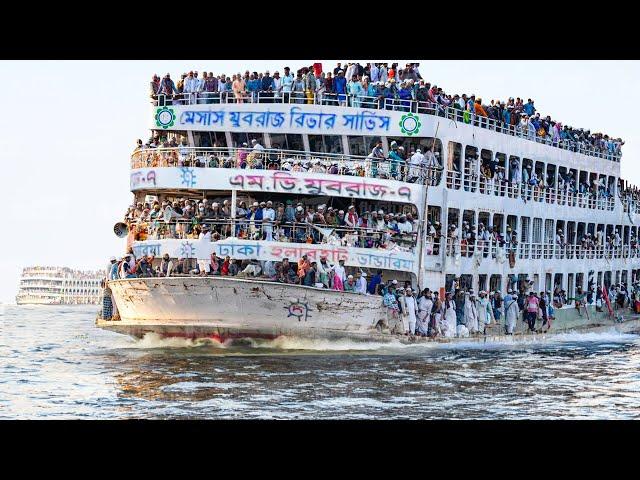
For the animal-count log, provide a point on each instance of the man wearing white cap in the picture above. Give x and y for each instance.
(415, 163)
(112, 272)
(361, 283)
(412, 314)
(350, 284)
(512, 311)
(485, 314)
(471, 312)
(268, 217)
(340, 275)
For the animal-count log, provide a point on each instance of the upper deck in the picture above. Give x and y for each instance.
(359, 115)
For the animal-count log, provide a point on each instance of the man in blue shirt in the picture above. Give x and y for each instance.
(529, 108)
(340, 87)
(374, 282)
(266, 87)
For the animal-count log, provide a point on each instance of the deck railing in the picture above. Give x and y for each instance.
(318, 162)
(393, 104)
(297, 232)
(536, 251)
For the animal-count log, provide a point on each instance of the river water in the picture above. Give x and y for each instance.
(54, 363)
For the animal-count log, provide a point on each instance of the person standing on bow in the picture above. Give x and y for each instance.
(485, 313)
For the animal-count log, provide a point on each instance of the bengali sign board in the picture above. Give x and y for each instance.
(298, 183)
(287, 118)
(276, 251)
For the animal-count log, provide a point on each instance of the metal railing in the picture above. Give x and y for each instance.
(536, 251)
(278, 231)
(291, 160)
(382, 103)
(471, 182)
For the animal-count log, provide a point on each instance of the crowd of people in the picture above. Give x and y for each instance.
(282, 221)
(493, 173)
(630, 196)
(409, 311)
(410, 166)
(378, 85)
(470, 239)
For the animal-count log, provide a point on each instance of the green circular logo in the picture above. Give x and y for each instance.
(410, 124)
(165, 117)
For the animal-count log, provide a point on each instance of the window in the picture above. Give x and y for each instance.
(524, 237)
(287, 141)
(325, 143)
(362, 145)
(238, 138)
(537, 230)
(495, 283)
(210, 139)
(482, 282)
(453, 159)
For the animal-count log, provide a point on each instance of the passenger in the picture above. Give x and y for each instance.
(285, 272)
(485, 312)
(361, 283)
(425, 306)
(470, 313)
(512, 311)
(166, 266)
(411, 312)
(325, 272)
(310, 275)
(303, 267)
(449, 320)
(531, 306)
(497, 306)
(375, 283)
(350, 284)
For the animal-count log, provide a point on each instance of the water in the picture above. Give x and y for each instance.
(54, 363)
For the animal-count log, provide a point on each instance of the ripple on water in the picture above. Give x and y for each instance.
(56, 364)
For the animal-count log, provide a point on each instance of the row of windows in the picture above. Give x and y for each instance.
(358, 145)
(524, 282)
(536, 230)
(488, 164)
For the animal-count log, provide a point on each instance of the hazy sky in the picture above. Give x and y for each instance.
(68, 130)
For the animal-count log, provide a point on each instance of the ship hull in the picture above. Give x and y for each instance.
(229, 309)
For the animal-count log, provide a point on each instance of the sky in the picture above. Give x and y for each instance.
(69, 128)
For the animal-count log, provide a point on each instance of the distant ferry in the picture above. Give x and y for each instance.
(59, 286)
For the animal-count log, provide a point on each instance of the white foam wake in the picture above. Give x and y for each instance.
(287, 343)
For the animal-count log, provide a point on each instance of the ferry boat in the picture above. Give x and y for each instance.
(542, 228)
(59, 286)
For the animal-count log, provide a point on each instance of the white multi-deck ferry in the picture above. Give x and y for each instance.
(59, 286)
(317, 151)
